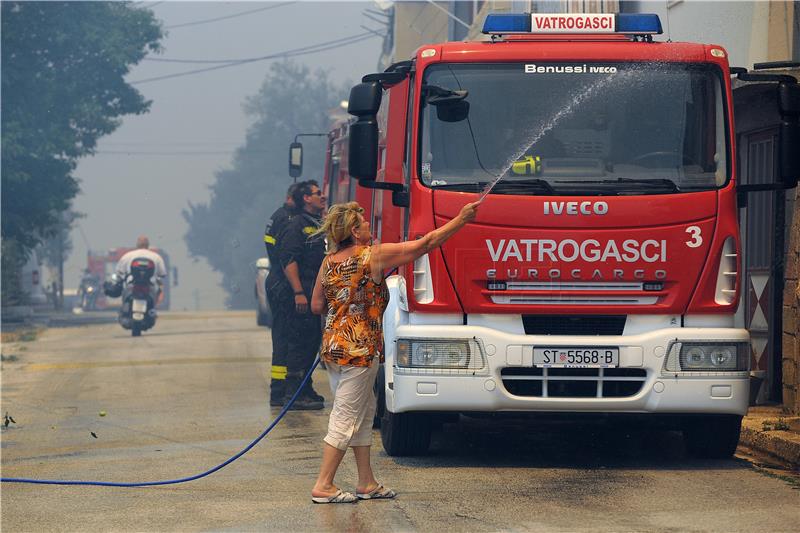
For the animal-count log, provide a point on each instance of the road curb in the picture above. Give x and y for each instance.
(16, 314)
(784, 445)
(78, 321)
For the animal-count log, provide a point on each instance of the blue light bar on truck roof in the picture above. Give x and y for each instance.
(540, 23)
(639, 24)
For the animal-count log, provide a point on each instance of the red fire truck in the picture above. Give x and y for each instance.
(602, 274)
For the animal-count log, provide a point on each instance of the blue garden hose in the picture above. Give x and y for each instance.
(179, 480)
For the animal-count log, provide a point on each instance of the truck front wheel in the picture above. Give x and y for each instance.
(712, 437)
(405, 433)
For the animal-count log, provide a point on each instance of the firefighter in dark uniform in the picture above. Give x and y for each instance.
(279, 296)
(301, 254)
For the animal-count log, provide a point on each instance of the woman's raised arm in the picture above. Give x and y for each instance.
(387, 256)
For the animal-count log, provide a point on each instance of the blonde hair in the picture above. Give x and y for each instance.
(338, 225)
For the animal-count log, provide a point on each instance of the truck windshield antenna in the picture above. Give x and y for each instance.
(472, 133)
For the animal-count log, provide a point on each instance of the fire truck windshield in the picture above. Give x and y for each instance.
(584, 128)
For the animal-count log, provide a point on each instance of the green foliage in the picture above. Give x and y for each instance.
(775, 425)
(56, 248)
(63, 87)
(13, 258)
(228, 231)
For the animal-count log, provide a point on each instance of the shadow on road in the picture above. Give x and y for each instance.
(189, 333)
(547, 444)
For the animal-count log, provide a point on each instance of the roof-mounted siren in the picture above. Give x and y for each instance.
(643, 25)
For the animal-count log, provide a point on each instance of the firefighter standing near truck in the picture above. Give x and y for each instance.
(301, 255)
(279, 296)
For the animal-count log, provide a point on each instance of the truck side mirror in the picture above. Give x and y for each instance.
(295, 159)
(789, 134)
(364, 102)
(363, 149)
(365, 99)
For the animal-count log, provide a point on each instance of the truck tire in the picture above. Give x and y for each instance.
(405, 433)
(262, 319)
(712, 437)
(136, 331)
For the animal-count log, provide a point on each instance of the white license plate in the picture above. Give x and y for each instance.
(139, 306)
(576, 357)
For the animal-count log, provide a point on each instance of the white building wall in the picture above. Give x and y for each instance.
(740, 27)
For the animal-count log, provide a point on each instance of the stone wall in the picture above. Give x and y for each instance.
(791, 315)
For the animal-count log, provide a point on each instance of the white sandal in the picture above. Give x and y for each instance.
(340, 497)
(378, 493)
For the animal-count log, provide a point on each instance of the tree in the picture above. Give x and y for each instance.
(55, 249)
(63, 88)
(228, 230)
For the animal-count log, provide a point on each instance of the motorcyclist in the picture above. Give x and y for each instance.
(89, 279)
(143, 250)
(279, 296)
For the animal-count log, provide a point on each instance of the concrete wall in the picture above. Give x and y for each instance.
(780, 33)
(418, 23)
(728, 24)
(750, 31)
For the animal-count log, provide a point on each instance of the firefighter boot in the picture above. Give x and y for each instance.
(277, 391)
(309, 392)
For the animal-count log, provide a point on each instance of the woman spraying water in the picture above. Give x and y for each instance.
(350, 290)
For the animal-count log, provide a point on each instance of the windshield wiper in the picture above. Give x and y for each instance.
(661, 184)
(504, 186)
(462, 186)
(526, 184)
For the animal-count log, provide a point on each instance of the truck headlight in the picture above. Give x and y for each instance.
(694, 357)
(465, 354)
(714, 356)
(722, 357)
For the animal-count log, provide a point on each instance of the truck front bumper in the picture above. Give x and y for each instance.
(647, 388)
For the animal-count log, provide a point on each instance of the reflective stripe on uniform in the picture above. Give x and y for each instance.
(308, 230)
(278, 372)
(269, 239)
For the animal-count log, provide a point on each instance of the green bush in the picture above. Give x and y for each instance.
(13, 259)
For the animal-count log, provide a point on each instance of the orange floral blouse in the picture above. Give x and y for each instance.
(354, 324)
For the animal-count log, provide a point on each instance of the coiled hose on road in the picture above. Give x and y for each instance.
(179, 480)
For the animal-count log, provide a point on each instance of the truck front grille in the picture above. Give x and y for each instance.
(508, 299)
(574, 382)
(574, 324)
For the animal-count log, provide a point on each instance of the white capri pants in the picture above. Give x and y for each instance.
(354, 404)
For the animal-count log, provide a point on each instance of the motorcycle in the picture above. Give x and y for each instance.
(89, 290)
(139, 296)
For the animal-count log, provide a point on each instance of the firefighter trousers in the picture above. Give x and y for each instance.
(304, 338)
(281, 307)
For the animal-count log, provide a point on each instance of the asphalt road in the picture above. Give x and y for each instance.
(192, 392)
